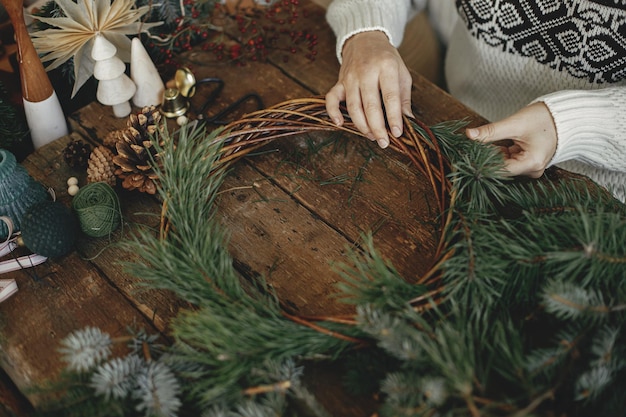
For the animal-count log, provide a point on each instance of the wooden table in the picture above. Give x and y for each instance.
(290, 213)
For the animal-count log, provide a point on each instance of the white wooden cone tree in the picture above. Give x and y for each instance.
(143, 72)
(115, 88)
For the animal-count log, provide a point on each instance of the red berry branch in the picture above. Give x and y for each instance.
(261, 30)
(238, 34)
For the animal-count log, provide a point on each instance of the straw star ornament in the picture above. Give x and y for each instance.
(72, 35)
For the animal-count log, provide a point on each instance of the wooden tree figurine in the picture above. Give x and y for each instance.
(115, 88)
(143, 72)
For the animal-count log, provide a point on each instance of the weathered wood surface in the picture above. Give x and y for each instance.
(292, 213)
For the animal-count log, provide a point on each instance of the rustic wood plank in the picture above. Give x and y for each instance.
(355, 187)
(273, 235)
(350, 185)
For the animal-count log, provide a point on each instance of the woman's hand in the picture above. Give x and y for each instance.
(372, 75)
(533, 135)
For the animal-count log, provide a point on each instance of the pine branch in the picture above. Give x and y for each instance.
(229, 342)
(370, 279)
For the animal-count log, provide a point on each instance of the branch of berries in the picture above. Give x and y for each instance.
(186, 24)
(261, 30)
(238, 33)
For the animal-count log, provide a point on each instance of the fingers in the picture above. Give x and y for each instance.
(364, 105)
(519, 161)
(490, 132)
(375, 85)
(517, 158)
(396, 96)
(334, 97)
(533, 135)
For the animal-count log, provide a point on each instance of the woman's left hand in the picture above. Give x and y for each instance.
(533, 135)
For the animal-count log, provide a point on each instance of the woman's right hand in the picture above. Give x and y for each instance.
(375, 84)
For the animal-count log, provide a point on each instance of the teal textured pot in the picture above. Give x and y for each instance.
(18, 191)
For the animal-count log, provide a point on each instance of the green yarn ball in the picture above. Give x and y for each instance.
(49, 229)
(98, 209)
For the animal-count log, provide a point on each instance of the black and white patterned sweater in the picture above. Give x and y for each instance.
(504, 54)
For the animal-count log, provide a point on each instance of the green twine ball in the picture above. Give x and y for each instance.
(98, 209)
(49, 229)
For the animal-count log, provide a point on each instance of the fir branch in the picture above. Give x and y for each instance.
(590, 384)
(116, 378)
(506, 243)
(548, 361)
(410, 390)
(392, 333)
(84, 349)
(255, 409)
(553, 197)
(165, 10)
(157, 391)
(607, 348)
(479, 178)
(569, 301)
(169, 263)
(469, 278)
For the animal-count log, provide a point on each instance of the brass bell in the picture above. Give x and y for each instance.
(174, 104)
(185, 81)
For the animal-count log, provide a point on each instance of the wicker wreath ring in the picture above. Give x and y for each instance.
(292, 117)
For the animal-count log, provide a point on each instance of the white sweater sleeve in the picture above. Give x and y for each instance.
(591, 126)
(349, 17)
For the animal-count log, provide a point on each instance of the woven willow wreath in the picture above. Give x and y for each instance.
(304, 115)
(506, 273)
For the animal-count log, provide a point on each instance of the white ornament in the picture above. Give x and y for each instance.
(72, 189)
(182, 120)
(143, 72)
(115, 88)
(72, 181)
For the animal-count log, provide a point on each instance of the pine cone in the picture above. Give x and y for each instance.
(76, 154)
(135, 151)
(111, 139)
(101, 167)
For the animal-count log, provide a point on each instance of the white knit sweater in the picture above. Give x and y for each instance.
(502, 55)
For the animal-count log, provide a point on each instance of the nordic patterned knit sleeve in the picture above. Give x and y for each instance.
(591, 126)
(349, 17)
